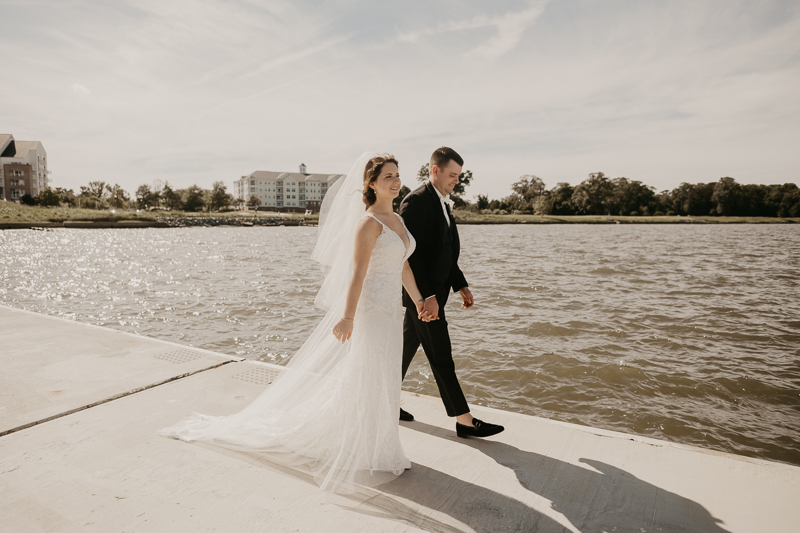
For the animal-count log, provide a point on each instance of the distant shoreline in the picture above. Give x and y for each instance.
(209, 220)
(470, 218)
(13, 216)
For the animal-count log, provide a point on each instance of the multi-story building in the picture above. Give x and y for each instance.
(285, 191)
(23, 168)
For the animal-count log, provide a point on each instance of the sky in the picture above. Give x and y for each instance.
(190, 92)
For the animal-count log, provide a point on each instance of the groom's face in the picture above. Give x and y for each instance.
(446, 178)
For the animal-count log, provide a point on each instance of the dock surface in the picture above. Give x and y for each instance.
(80, 406)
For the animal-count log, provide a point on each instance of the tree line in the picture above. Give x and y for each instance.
(102, 195)
(601, 195)
(596, 195)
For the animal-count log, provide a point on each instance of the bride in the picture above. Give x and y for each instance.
(333, 410)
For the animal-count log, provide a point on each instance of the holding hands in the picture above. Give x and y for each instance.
(428, 310)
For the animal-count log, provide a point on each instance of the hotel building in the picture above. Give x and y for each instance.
(285, 191)
(23, 168)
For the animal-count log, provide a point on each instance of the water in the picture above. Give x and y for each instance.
(684, 333)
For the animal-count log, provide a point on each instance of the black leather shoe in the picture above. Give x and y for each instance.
(405, 416)
(481, 429)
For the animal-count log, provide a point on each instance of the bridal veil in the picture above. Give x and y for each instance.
(280, 419)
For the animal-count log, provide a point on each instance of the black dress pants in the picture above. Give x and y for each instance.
(435, 340)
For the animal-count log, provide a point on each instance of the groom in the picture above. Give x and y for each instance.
(428, 216)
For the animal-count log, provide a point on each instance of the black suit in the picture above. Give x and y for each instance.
(435, 266)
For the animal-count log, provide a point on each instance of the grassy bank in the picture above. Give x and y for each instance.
(11, 212)
(468, 217)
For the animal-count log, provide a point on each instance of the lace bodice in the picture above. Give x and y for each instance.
(383, 283)
(390, 251)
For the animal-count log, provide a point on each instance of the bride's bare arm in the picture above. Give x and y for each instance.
(366, 235)
(410, 284)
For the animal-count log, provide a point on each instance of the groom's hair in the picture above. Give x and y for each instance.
(442, 156)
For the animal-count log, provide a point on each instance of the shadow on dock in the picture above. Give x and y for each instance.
(434, 492)
(477, 507)
(594, 500)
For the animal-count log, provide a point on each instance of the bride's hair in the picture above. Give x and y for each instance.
(371, 173)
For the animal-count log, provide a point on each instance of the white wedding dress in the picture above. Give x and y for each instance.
(333, 410)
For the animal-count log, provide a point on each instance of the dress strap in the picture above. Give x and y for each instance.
(402, 221)
(375, 218)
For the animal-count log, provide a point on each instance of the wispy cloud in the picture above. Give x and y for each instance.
(77, 88)
(509, 29)
(294, 57)
(281, 85)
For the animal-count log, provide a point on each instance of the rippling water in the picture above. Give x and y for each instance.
(686, 333)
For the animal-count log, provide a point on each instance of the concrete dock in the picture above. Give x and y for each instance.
(80, 406)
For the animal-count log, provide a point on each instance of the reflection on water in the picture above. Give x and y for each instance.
(687, 333)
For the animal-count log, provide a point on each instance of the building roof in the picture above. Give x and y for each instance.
(265, 175)
(23, 147)
(11, 147)
(5, 140)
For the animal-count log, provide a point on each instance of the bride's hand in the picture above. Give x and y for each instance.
(422, 314)
(343, 330)
(430, 309)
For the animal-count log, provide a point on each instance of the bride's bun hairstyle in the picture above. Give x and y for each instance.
(442, 156)
(371, 173)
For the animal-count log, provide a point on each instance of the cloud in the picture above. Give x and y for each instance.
(267, 91)
(77, 88)
(509, 29)
(295, 57)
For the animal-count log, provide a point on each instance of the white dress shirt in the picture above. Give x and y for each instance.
(443, 200)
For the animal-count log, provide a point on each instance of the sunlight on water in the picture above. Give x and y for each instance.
(688, 333)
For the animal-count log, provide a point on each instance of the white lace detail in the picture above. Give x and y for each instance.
(339, 421)
(381, 291)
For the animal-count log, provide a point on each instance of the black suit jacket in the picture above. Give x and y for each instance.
(435, 259)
